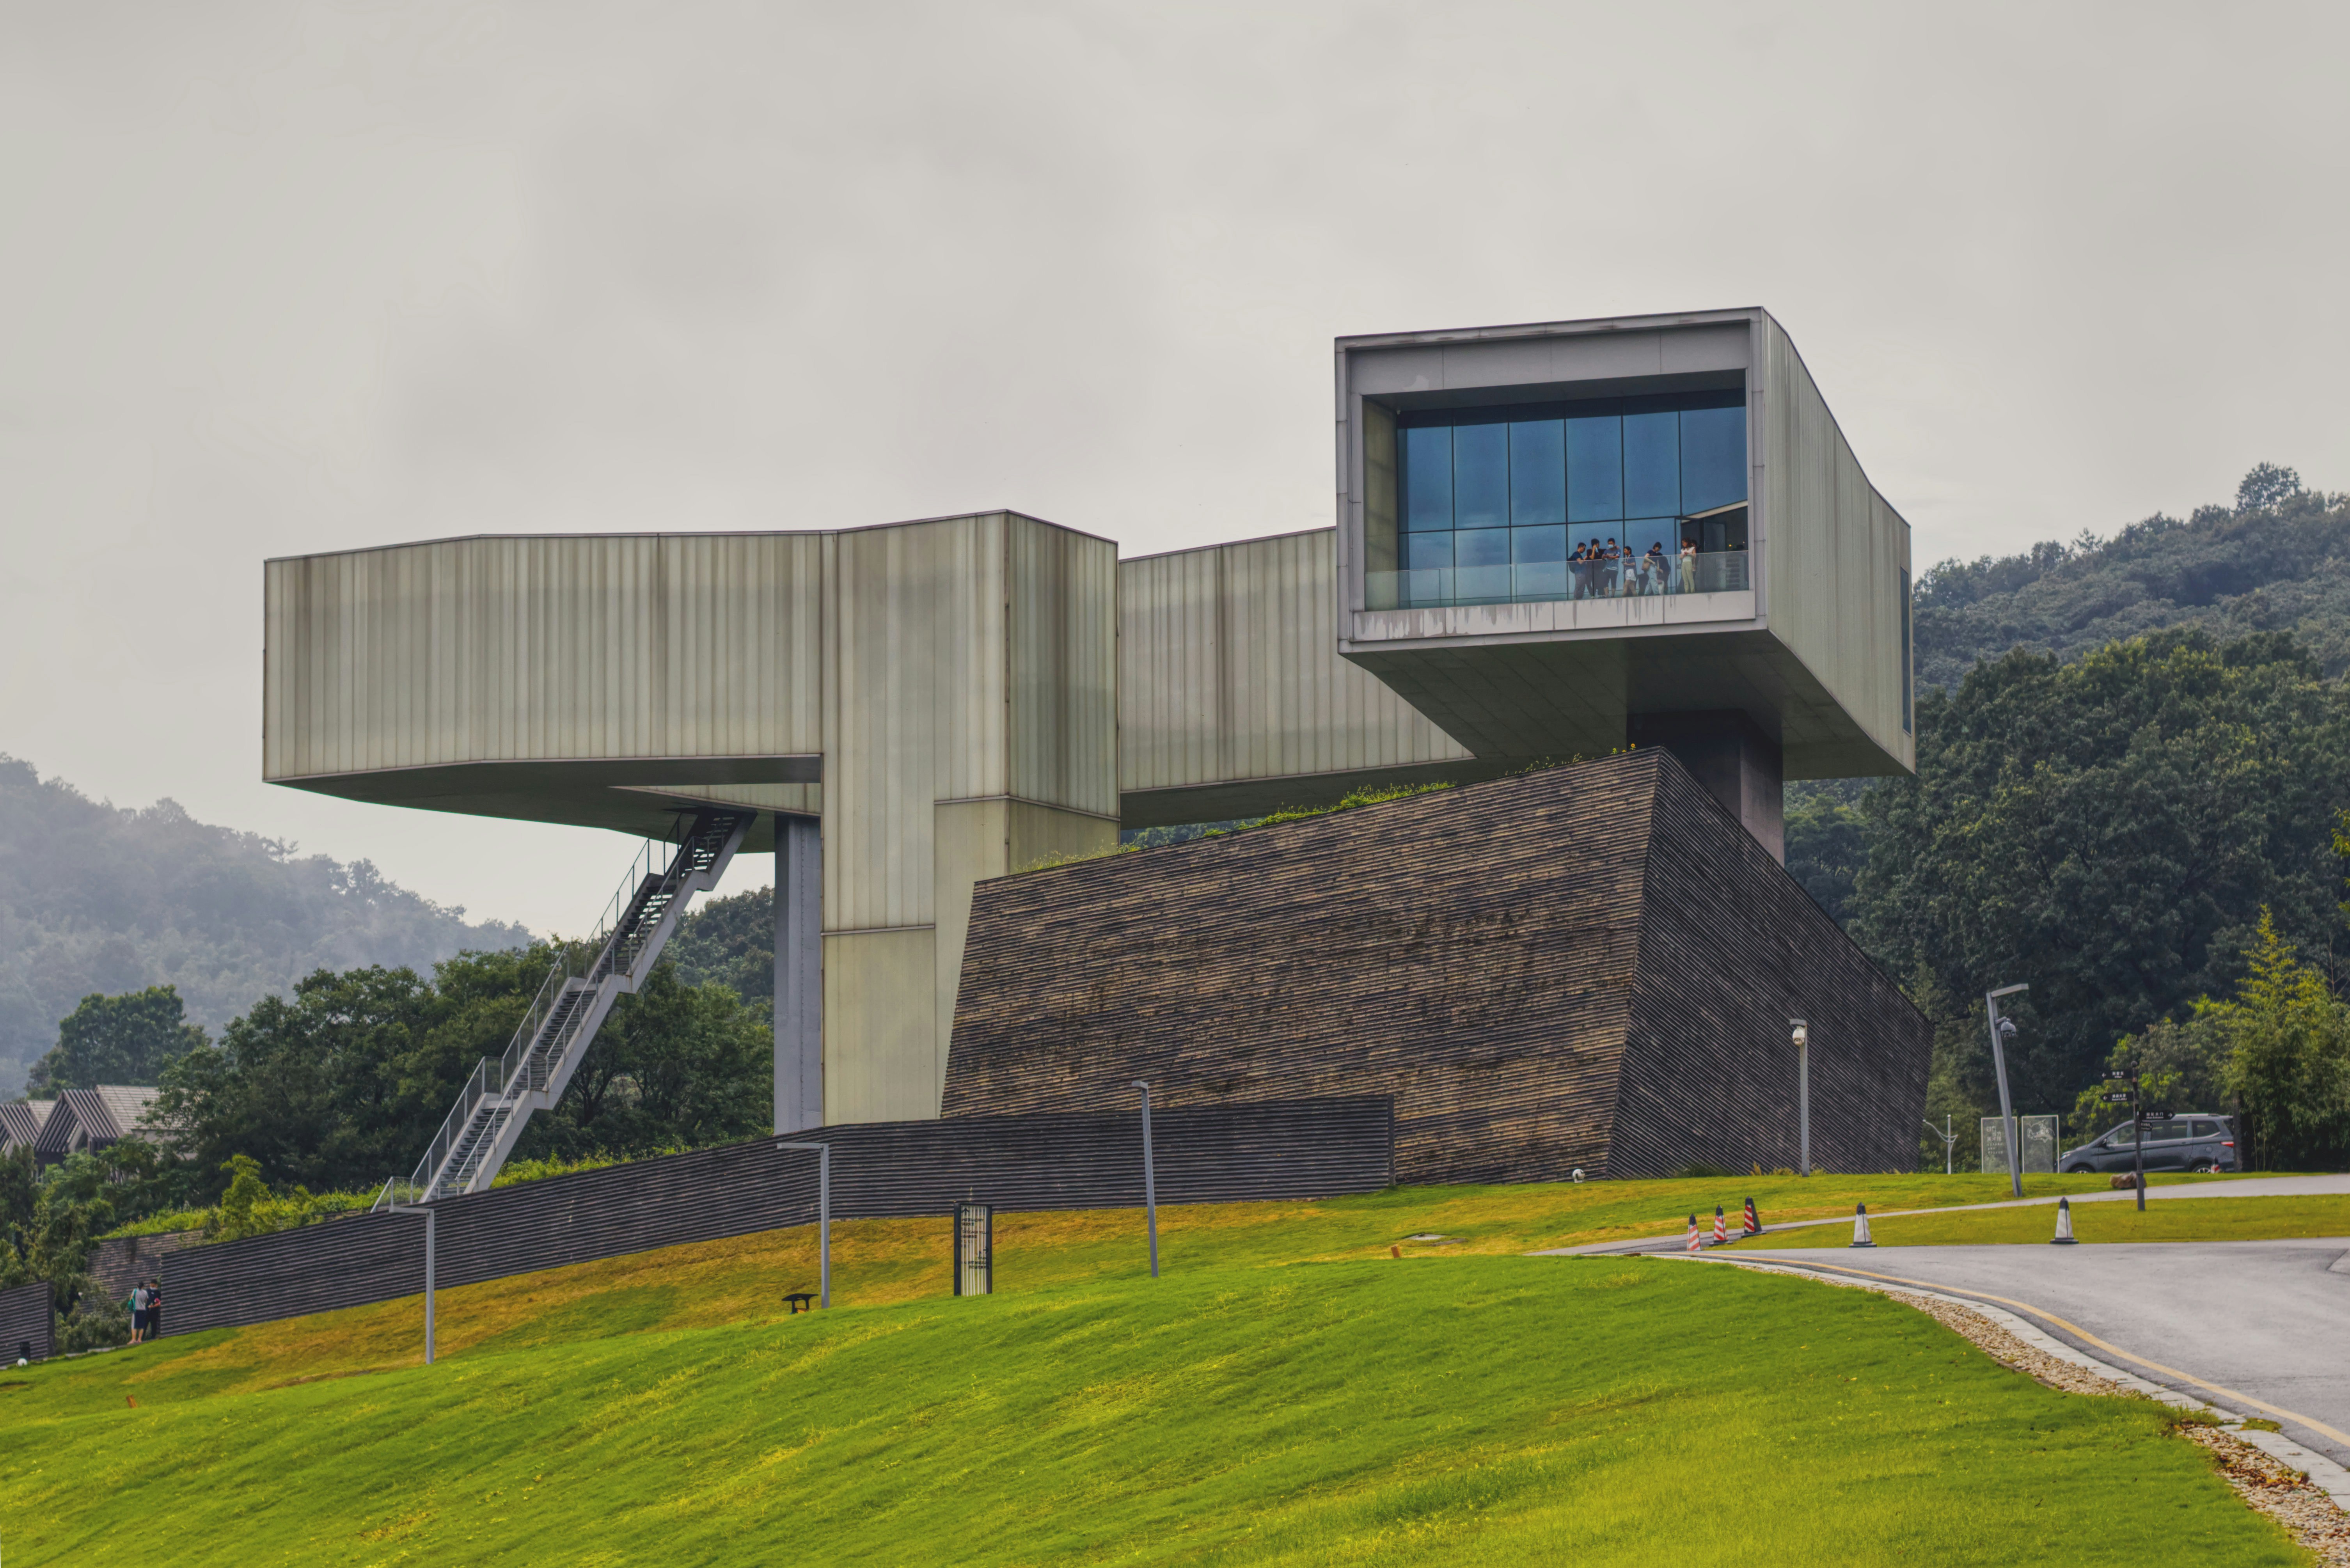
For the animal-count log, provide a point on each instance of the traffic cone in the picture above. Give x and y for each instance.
(1720, 1230)
(1754, 1220)
(1697, 1237)
(1860, 1227)
(2064, 1237)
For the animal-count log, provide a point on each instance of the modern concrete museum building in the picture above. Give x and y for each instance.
(1549, 540)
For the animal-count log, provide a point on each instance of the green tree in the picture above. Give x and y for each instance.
(236, 1218)
(1826, 847)
(2288, 1058)
(2181, 1066)
(2107, 831)
(126, 1039)
(731, 940)
(675, 1067)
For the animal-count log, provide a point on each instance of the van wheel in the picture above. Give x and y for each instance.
(2078, 1170)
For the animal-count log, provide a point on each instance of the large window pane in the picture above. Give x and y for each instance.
(1481, 558)
(1537, 473)
(1481, 476)
(1652, 464)
(1595, 467)
(1427, 478)
(1423, 552)
(1713, 458)
(1538, 563)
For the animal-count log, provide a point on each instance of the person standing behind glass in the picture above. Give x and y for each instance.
(1688, 576)
(1652, 567)
(1609, 558)
(1575, 573)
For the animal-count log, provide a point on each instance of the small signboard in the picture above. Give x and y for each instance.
(974, 1250)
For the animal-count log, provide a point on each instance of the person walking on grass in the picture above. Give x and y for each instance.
(137, 1303)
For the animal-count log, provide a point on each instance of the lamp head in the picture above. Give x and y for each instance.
(1798, 1032)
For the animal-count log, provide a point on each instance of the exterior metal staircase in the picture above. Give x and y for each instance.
(571, 1005)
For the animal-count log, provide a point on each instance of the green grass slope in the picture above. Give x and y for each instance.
(1470, 1410)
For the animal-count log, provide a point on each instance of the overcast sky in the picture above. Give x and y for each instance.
(289, 277)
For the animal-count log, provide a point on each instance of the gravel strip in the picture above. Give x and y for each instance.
(2280, 1493)
(2264, 1483)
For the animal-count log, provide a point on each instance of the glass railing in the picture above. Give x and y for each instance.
(1627, 577)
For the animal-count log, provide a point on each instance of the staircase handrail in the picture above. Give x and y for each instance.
(660, 865)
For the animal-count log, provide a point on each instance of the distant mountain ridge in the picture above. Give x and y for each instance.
(99, 898)
(2279, 560)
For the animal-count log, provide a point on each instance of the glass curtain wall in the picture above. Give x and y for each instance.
(1605, 498)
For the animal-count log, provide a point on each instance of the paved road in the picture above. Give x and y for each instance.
(2270, 1320)
(2245, 1186)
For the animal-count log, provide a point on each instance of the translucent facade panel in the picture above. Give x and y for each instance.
(1481, 476)
(1595, 467)
(1537, 473)
(1713, 458)
(1427, 478)
(1652, 464)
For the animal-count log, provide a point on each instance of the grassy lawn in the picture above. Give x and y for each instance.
(2200, 1220)
(1464, 1409)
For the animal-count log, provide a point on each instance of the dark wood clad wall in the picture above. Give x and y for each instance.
(122, 1262)
(1471, 953)
(1731, 948)
(1523, 964)
(27, 1319)
(1320, 1149)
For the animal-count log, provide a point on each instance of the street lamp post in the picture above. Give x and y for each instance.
(823, 1151)
(1149, 1180)
(389, 1202)
(1801, 1034)
(1950, 1139)
(2002, 1030)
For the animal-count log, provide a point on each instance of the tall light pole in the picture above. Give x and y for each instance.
(1801, 1034)
(389, 1202)
(1149, 1180)
(823, 1152)
(2002, 1030)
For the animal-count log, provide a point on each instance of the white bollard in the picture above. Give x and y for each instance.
(2064, 1237)
(1860, 1227)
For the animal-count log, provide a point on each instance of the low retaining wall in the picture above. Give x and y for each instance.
(26, 1319)
(1218, 1154)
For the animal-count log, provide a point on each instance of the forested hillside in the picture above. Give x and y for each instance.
(2278, 560)
(96, 899)
(2128, 751)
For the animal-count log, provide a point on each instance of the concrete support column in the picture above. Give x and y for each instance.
(799, 973)
(1730, 755)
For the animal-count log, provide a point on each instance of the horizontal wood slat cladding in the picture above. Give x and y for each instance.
(119, 1262)
(1591, 966)
(1214, 1154)
(27, 1317)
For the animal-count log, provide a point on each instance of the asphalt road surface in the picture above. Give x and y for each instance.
(2270, 1320)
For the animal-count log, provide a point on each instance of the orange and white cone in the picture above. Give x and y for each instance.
(1720, 1230)
(2064, 1237)
(1860, 1227)
(1754, 1220)
(1697, 1237)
